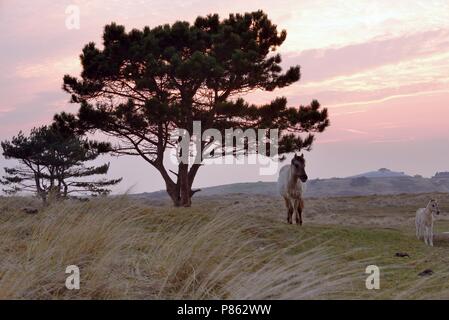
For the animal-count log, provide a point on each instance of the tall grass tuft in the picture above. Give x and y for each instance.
(126, 250)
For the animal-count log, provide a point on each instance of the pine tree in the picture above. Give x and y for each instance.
(52, 164)
(143, 84)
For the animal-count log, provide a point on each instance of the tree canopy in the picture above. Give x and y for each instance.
(52, 162)
(143, 84)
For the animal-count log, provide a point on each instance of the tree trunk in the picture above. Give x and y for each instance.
(180, 192)
(173, 192)
(39, 190)
(184, 185)
(172, 188)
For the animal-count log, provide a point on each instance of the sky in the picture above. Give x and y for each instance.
(380, 67)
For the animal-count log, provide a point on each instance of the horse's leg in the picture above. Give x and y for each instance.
(417, 229)
(431, 235)
(299, 205)
(296, 205)
(290, 210)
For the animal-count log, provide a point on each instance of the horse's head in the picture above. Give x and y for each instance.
(299, 167)
(433, 206)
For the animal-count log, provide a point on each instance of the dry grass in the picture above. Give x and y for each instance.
(229, 248)
(127, 250)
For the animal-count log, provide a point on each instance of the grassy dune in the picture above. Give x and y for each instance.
(235, 247)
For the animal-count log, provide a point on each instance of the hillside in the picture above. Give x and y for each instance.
(352, 186)
(381, 173)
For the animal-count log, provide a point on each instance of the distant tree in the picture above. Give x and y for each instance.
(52, 163)
(360, 181)
(145, 83)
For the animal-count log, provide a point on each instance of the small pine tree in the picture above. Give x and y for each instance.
(52, 164)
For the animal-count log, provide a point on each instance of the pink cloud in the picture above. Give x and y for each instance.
(319, 64)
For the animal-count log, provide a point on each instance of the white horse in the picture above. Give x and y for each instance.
(291, 178)
(424, 221)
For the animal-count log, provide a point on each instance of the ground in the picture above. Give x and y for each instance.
(233, 247)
